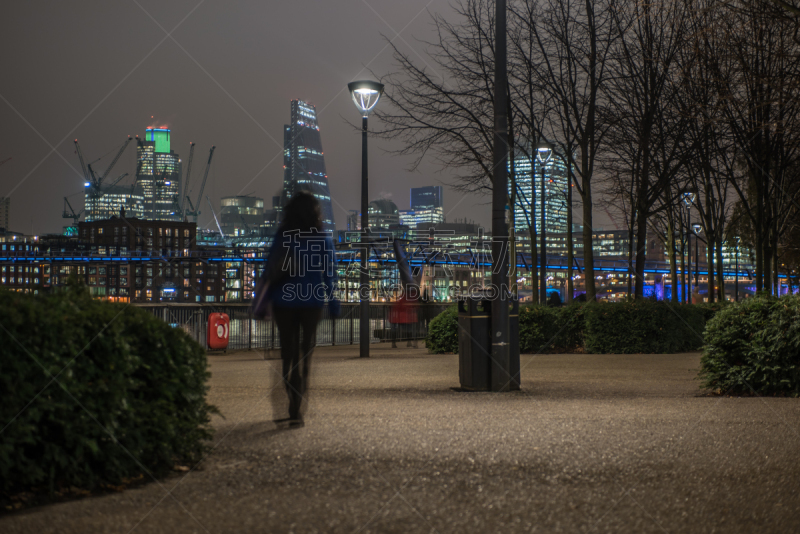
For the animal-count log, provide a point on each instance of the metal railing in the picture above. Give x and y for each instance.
(247, 332)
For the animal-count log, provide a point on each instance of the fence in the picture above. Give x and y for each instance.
(249, 333)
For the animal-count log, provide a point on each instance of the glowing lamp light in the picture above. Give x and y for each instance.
(366, 94)
(86, 184)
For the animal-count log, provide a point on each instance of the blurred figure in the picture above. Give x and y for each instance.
(300, 275)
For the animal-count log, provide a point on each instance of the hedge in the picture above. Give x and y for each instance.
(640, 326)
(94, 392)
(754, 347)
(551, 329)
(643, 326)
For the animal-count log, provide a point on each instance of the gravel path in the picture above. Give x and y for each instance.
(593, 443)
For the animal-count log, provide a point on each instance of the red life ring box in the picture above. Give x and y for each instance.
(218, 331)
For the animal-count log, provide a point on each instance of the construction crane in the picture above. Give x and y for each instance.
(94, 182)
(186, 182)
(214, 214)
(194, 209)
(70, 213)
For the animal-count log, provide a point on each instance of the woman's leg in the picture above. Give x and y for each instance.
(289, 329)
(309, 318)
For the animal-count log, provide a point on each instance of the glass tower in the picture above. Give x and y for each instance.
(159, 175)
(303, 162)
(427, 198)
(528, 204)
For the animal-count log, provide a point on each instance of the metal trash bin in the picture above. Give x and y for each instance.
(474, 344)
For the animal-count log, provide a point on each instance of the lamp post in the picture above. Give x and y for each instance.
(697, 228)
(543, 153)
(365, 96)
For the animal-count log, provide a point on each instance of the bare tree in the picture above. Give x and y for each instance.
(572, 40)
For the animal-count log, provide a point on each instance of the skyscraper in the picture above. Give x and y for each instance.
(303, 162)
(529, 193)
(427, 207)
(159, 175)
(426, 198)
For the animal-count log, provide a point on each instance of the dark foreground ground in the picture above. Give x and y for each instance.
(614, 443)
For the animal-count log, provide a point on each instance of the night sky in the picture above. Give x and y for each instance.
(99, 70)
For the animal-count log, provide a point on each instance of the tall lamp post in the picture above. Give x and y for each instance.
(365, 95)
(543, 153)
(697, 228)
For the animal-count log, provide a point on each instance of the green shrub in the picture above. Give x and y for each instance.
(639, 326)
(93, 392)
(545, 329)
(754, 344)
(710, 309)
(643, 326)
(443, 332)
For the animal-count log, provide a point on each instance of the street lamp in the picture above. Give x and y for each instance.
(544, 151)
(365, 96)
(697, 227)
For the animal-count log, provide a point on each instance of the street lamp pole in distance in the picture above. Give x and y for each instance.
(543, 153)
(365, 95)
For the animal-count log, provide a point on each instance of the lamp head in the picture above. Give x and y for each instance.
(697, 228)
(544, 151)
(366, 94)
(688, 198)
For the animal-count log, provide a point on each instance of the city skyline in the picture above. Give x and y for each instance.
(207, 94)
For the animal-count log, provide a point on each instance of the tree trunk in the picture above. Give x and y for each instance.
(720, 270)
(710, 269)
(588, 251)
(641, 251)
(570, 249)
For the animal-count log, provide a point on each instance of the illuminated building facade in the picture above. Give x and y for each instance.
(422, 218)
(528, 204)
(114, 199)
(303, 160)
(427, 198)
(159, 175)
(241, 215)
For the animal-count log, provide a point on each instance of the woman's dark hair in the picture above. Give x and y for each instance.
(302, 212)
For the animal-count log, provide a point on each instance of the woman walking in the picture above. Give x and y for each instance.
(299, 277)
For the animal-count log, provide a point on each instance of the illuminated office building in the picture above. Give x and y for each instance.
(427, 198)
(427, 207)
(159, 175)
(303, 160)
(241, 215)
(529, 193)
(422, 218)
(114, 199)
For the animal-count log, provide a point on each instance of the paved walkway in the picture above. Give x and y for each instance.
(591, 444)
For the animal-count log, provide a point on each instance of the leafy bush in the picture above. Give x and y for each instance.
(544, 329)
(710, 309)
(643, 326)
(93, 392)
(443, 332)
(754, 344)
(639, 326)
